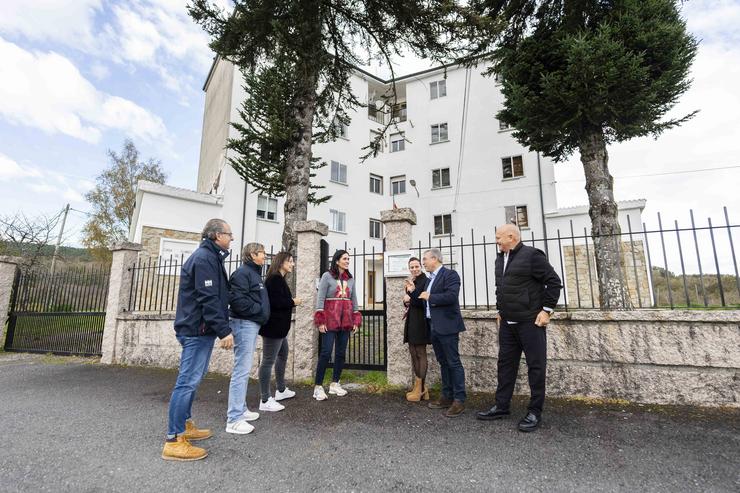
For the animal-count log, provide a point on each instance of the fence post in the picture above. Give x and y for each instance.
(119, 287)
(397, 224)
(8, 268)
(308, 271)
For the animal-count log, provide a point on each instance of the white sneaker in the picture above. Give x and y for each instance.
(318, 393)
(271, 405)
(285, 394)
(240, 427)
(250, 415)
(335, 388)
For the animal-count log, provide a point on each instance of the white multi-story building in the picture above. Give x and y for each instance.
(446, 156)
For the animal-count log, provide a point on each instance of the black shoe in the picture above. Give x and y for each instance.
(530, 422)
(494, 413)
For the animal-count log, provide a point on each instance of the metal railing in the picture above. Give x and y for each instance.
(155, 281)
(665, 267)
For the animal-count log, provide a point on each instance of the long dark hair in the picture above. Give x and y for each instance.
(333, 269)
(277, 261)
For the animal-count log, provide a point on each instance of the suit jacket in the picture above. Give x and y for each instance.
(444, 306)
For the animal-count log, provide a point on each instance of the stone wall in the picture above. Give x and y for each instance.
(646, 356)
(579, 258)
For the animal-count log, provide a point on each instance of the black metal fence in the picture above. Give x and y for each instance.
(367, 348)
(60, 313)
(691, 266)
(155, 281)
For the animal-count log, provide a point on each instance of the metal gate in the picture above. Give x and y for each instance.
(62, 313)
(367, 348)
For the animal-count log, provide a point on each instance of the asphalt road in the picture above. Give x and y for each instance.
(74, 425)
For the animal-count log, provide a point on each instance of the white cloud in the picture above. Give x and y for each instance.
(10, 170)
(59, 21)
(46, 91)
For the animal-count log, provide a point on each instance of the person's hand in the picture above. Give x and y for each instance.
(424, 296)
(498, 319)
(543, 318)
(407, 299)
(297, 301)
(227, 342)
(322, 328)
(409, 286)
(354, 329)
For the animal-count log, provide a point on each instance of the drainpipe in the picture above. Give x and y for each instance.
(244, 217)
(542, 203)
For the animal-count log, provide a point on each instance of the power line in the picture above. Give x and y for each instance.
(680, 172)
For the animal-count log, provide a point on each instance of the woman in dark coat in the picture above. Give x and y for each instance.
(274, 333)
(415, 330)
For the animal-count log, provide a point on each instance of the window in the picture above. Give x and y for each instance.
(438, 89)
(443, 224)
(398, 112)
(338, 221)
(441, 178)
(513, 167)
(398, 142)
(376, 228)
(439, 132)
(398, 185)
(341, 129)
(517, 214)
(267, 208)
(373, 113)
(375, 137)
(338, 172)
(503, 125)
(376, 184)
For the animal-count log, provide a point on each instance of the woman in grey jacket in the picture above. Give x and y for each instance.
(336, 315)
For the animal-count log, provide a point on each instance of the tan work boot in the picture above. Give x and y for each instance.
(193, 434)
(415, 394)
(182, 450)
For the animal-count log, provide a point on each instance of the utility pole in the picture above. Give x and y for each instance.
(59, 239)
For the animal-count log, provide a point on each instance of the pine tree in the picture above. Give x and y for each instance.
(578, 75)
(310, 48)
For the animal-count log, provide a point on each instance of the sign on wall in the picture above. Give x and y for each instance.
(173, 253)
(396, 263)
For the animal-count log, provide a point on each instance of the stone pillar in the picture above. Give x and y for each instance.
(8, 268)
(397, 224)
(308, 264)
(119, 288)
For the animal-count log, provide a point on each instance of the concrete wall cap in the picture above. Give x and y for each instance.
(646, 315)
(311, 227)
(126, 245)
(403, 214)
(9, 259)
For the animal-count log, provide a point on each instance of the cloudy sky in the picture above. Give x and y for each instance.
(79, 76)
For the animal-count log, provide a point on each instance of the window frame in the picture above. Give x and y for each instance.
(442, 219)
(341, 219)
(267, 202)
(516, 210)
(439, 133)
(513, 176)
(434, 86)
(372, 223)
(340, 167)
(401, 140)
(398, 179)
(379, 179)
(441, 185)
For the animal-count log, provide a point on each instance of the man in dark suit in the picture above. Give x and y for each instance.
(527, 290)
(440, 297)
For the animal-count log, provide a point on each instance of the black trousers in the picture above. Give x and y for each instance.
(513, 339)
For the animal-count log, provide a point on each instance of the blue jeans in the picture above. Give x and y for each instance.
(337, 340)
(196, 354)
(453, 373)
(245, 338)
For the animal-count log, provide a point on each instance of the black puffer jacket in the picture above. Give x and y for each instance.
(281, 308)
(248, 298)
(529, 284)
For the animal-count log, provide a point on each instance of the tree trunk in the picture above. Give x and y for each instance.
(298, 172)
(605, 228)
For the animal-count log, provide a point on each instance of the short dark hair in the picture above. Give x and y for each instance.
(412, 259)
(212, 228)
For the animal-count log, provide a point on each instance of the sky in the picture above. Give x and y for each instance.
(80, 76)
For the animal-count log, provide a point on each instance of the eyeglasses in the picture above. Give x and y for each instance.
(231, 235)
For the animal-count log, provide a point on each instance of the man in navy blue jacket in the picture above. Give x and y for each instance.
(443, 315)
(202, 315)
